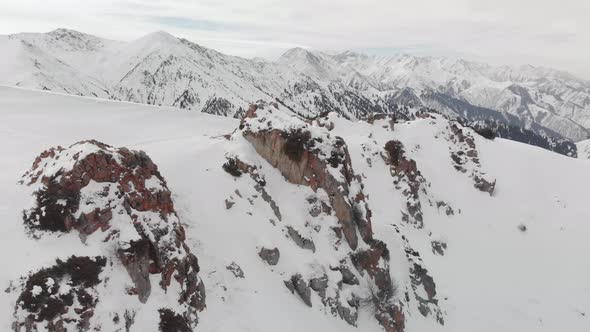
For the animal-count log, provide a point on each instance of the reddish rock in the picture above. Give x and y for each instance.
(81, 188)
(405, 169)
(306, 154)
(298, 156)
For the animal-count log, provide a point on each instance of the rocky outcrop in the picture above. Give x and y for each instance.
(466, 158)
(438, 247)
(301, 241)
(422, 285)
(307, 154)
(270, 256)
(407, 178)
(46, 297)
(236, 167)
(118, 200)
(300, 286)
(236, 270)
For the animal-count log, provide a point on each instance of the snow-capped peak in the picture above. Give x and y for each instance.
(161, 37)
(164, 70)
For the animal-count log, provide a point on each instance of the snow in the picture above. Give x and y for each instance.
(492, 276)
(37, 290)
(161, 69)
(584, 149)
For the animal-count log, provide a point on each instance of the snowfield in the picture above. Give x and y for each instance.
(584, 149)
(493, 276)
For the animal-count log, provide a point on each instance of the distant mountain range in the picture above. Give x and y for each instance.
(161, 69)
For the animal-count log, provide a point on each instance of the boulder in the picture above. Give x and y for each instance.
(270, 256)
(299, 240)
(302, 288)
(236, 270)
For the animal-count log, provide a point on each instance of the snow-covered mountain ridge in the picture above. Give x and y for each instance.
(470, 224)
(161, 69)
(550, 98)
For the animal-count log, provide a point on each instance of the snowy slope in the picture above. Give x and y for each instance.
(492, 276)
(25, 64)
(160, 69)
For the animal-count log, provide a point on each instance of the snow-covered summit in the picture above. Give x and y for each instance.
(161, 69)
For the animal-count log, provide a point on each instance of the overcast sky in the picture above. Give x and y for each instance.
(552, 33)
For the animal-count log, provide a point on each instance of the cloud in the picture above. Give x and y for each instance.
(541, 32)
(188, 23)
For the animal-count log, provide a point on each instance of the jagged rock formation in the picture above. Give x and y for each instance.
(423, 286)
(316, 161)
(466, 160)
(407, 178)
(306, 154)
(117, 200)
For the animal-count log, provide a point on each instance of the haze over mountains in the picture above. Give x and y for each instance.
(163, 70)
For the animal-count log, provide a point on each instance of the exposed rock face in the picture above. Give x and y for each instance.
(306, 154)
(466, 159)
(302, 288)
(407, 177)
(421, 282)
(117, 198)
(172, 322)
(236, 168)
(438, 247)
(52, 292)
(300, 240)
(314, 158)
(271, 256)
(236, 270)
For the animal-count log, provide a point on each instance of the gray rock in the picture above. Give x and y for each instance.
(319, 285)
(271, 256)
(299, 240)
(236, 270)
(302, 288)
(229, 204)
(438, 247)
(290, 286)
(267, 198)
(348, 315)
(348, 277)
